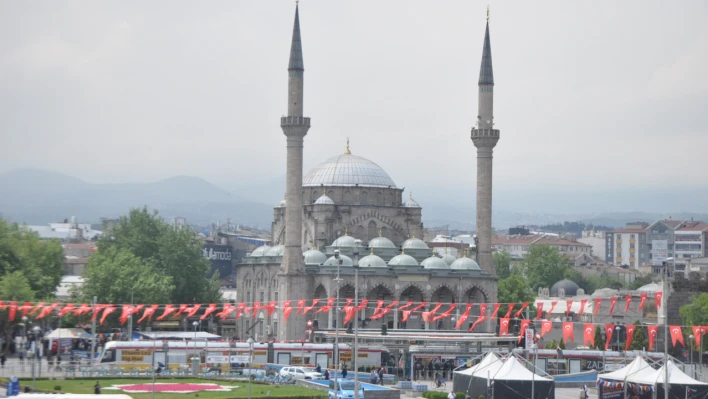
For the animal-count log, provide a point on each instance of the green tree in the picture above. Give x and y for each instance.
(114, 275)
(599, 341)
(15, 287)
(544, 265)
(561, 344)
(502, 264)
(161, 248)
(639, 338)
(514, 289)
(696, 314)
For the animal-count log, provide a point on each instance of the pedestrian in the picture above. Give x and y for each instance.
(318, 369)
(373, 376)
(97, 388)
(451, 395)
(22, 355)
(3, 359)
(326, 374)
(344, 371)
(381, 375)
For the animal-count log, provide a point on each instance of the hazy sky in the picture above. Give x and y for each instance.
(588, 94)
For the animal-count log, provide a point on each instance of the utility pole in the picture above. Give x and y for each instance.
(336, 321)
(665, 302)
(130, 319)
(93, 334)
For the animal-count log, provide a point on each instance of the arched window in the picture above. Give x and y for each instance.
(348, 197)
(372, 230)
(364, 198)
(379, 198)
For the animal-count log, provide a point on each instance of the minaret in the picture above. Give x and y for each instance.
(292, 280)
(485, 137)
(295, 127)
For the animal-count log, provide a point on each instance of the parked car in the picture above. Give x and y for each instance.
(344, 390)
(301, 373)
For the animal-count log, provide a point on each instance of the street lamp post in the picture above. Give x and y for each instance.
(195, 324)
(665, 300)
(356, 318)
(24, 340)
(336, 318)
(693, 366)
(700, 348)
(250, 342)
(36, 330)
(617, 333)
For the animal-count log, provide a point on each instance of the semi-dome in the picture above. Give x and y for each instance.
(371, 261)
(347, 170)
(410, 202)
(281, 204)
(605, 293)
(651, 287)
(346, 261)
(414, 243)
(314, 257)
(381, 242)
(434, 262)
(571, 289)
(449, 259)
(464, 263)
(260, 251)
(403, 260)
(277, 250)
(324, 200)
(344, 241)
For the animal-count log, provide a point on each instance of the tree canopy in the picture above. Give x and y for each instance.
(599, 340)
(514, 289)
(639, 338)
(543, 266)
(502, 264)
(163, 264)
(696, 312)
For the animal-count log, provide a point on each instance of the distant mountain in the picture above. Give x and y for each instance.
(38, 197)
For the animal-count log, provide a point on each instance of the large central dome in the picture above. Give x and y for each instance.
(348, 170)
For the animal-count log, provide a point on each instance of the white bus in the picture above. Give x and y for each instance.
(176, 354)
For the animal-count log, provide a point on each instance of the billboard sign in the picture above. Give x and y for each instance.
(220, 257)
(659, 251)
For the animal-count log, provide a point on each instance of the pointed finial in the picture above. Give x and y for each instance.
(372, 250)
(346, 230)
(410, 194)
(380, 232)
(487, 12)
(325, 192)
(347, 151)
(403, 250)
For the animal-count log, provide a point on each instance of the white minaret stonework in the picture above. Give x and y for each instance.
(291, 279)
(485, 137)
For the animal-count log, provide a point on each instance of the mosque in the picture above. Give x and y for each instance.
(349, 203)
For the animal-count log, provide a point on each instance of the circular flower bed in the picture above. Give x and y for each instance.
(167, 387)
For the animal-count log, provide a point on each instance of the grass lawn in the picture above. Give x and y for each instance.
(257, 390)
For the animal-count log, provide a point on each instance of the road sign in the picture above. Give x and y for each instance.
(528, 334)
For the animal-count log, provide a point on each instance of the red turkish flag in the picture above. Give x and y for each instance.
(609, 328)
(241, 308)
(653, 331)
(13, 310)
(125, 313)
(328, 306)
(463, 316)
(96, 310)
(48, 310)
(426, 317)
(627, 301)
(503, 327)
(698, 332)
(598, 303)
(108, 310)
(496, 310)
(482, 309)
(148, 312)
(524, 325)
(657, 298)
(406, 313)
(83, 310)
(509, 309)
(642, 300)
(26, 308)
(539, 308)
(546, 327)
(168, 310)
(226, 311)
(349, 312)
(300, 304)
(212, 308)
(308, 308)
(196, 307)
(479, 320)
(613, 301)
(362, 305)
(446, 313)
(553, 306)
(630, 335)
(523, 306)
(588, 334)
(37, 308)
(568, 305)
(435, 309)
(583, 302)
(407, 305)
(182, 308)
(568, 331)
(676, 335)
(286, 313)
(379, 305)
(69, 307)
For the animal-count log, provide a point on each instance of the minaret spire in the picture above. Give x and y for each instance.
(296, 63)
(486, 74)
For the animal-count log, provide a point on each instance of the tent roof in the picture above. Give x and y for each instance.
(636, 365)
(676, 376)
(68, 333)
(486, 361)
(514, 370)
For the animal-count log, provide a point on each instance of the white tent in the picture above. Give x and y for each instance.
(486, 361)
(66, 333)
(512, 369)
(676, 376)
(636, 365)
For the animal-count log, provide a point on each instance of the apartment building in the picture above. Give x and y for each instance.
(628, 246)
(518, 245)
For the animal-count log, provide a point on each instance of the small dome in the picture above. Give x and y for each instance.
(410, 202)
(371, 261)
(403, 260)
(414, 243)
(260, 251)
(449, 259)
(314, 257)
(571, 289)
(276, 251)
(434, 263)
(346, 261)
(652, 287)
(324, 200)
(281, 204)
(344, 241)
(464, 264)
(381, 242)
(604, 293)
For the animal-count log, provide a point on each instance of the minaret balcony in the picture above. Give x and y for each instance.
(481, 133)
(294, 121)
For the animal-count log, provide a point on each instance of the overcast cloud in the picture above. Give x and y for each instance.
(588, 94)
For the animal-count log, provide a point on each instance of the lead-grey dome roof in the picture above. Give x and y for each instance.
(410, 202)
(434, 262)
(414, 243)
(314, 257)
(346, 261)
(324, 200)
(403, 260)
(465, 264)
(381, 242)
(449, 259)
(371, 261)
(260, 251)
(347, 170)
(277, 250)
(281, 204)
(344, 241)
(571, 289)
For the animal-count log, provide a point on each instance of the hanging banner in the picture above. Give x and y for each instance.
(539, 310)
(657, 298)
(598, 303)
(496, 310)
(568, 331)
(613, 301)
(652, 331)
(546, 327)
(676, 335)
(588, 335)
(642, 300)
(609, 329)
(627, 301)
(503, 327)
(523, 306)
(583, 302)
(630, 335)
